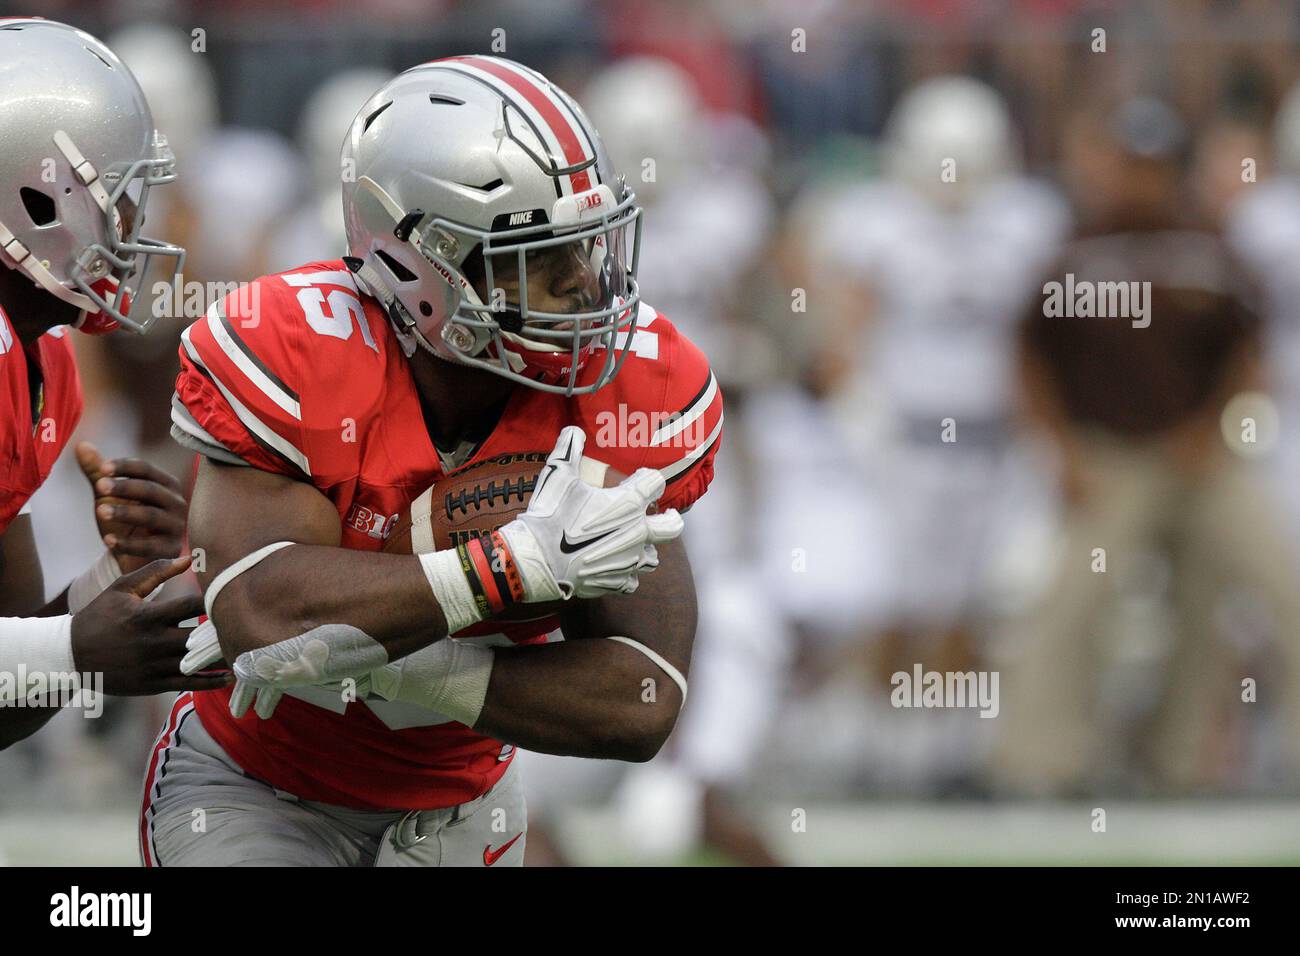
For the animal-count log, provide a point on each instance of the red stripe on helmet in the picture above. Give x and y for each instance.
(564, 132)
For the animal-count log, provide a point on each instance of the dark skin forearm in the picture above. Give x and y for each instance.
(579, 699)
(386, 596)
(587, 697)
(22, 585)
(312, 583)
(22, 593)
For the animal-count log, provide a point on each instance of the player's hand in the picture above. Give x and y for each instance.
(139, 508)
(324, 655)
(576, 540)
(137, 644)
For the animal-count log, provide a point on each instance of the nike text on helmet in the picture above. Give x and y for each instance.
(462, 168)
(78, 156)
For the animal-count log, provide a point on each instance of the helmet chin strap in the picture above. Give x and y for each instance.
(371, 282)
(23, 258)
(35, 269)
(404, 229)
(89, 176)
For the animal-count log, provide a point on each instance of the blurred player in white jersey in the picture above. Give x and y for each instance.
(938, 254)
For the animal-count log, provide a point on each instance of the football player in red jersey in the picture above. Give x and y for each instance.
(488, 305)
(73, 183)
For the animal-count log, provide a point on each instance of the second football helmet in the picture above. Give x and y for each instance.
(78, 156)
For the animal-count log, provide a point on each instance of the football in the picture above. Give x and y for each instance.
(478, 499)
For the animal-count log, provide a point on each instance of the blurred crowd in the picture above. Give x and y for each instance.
(853, 208)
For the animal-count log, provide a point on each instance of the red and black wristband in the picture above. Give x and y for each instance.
(471, 572)
(503, 562)
(493, 577)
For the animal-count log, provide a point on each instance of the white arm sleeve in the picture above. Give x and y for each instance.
(34, 645)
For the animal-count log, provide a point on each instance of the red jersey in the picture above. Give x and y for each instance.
(40, 405)
(301, 374)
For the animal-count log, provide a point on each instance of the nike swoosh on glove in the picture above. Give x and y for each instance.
(576, 540)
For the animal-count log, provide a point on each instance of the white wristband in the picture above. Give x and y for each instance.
(31, 646)
(448, 676)
(451, 589)
(93, 582)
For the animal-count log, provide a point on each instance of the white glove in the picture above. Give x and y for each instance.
(202, 649)
(579, 541)
(323, 655)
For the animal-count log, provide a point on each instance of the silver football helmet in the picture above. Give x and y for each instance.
(78, 156)
(466, 168)
(950, 119)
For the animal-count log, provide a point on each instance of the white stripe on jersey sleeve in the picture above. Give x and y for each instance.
(694, 414)
(679, 466)
(242, 412)
(246, 365)
(188, 433)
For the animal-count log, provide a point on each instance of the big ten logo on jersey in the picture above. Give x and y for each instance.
(370, 522)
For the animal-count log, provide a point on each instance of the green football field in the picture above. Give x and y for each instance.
(1180, 833)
